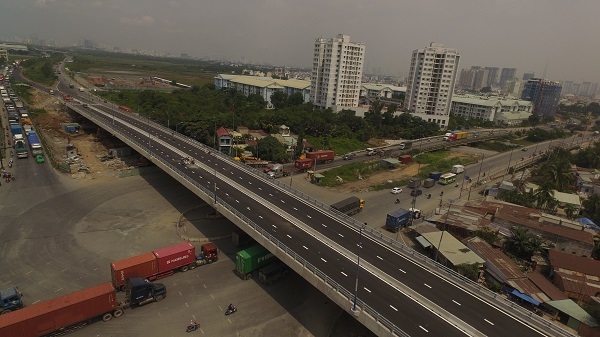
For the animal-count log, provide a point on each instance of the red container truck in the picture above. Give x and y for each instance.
(162, 262)
(323, 156)
(303, 164)
(74, 310)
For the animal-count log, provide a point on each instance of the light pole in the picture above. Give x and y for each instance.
(478, 176)
(358, 266)
(509, 159)
(437, 252)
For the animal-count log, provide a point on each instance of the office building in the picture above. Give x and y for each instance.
(544, 94)
(514, 87)
(506, 75)
(528, 76)
(337, 72)
(431, 83)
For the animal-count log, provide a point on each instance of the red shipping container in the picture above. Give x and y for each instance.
(303, 164)
(325, 155)
(144, 265)
(45, 317)
(173, 257)
(405, 159)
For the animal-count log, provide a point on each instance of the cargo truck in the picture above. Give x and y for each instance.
(10, 300)
(34, 143)
(273, 272)
(162, 262)
(414, 183)
(249, 261)
(277, 171)
(456, 135)
(303, 164)
(16, 131)
(349, 206)
(405, 145)
(75, 310)
(457, 169)
(427, 183)
(21, 149)
(398, 218)
(323, 156)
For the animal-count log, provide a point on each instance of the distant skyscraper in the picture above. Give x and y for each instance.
(506, 75)
(492, 79)
(431, 83)
(337, 72)
(567, 86)
(514, 87)
(585, 89)
(544, 94)
(575, 89)
(528, 76)
(481, 79)
(465, 81)
(593, 90)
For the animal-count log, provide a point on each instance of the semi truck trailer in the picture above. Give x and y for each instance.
(162, 262)
(34, 143)
(323, 156)
(349, 206)
(249, 261)
(395, 220)
(74, 310)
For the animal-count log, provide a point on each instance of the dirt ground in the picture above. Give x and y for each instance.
(403, 172)
(89, 147)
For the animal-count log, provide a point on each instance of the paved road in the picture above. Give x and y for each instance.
(265, 204)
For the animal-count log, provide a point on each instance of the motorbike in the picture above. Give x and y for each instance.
(230, 311)
(193, 326)
(429, 196)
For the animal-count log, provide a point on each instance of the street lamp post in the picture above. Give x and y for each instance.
(478, 176)
(509, 159)
(358, 266)
(437, 252)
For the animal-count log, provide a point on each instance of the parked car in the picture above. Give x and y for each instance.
(349, 156)
(396, 190)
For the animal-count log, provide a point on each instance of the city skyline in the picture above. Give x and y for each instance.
(531, 36)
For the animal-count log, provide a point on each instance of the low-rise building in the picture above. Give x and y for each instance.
(576, 276)
(263, 86)
(451, 252)
(494, 109)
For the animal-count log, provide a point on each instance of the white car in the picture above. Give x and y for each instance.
(396, 190)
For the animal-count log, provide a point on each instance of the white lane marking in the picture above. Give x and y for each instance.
(324, 225)
(295, 209)
(274, 226)
(248, 208)
(422, 328)
(488, 321)
(391, 306)
(211, 296)
(427, 285)
(227, 194)
(57, 290)
(237, 201)
(289, 236)
(344, 273)
(260, 216)
(260, 188)
(305, 247)
(204, 286)
(379, 257)
(402, 271)
(340, 234)
(270, 194)
(310, 217)
(283, 201)
(456, 302)
(250, 182)
(367, 289)
(324, 260)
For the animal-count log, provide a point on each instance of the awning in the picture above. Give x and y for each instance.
(524, 297)
(423, 242)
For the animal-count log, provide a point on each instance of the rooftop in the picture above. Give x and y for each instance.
(583, 265)
(452, 249)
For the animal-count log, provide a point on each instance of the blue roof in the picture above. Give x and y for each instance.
(524, 297)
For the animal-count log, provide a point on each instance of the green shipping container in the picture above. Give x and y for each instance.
(250, 260)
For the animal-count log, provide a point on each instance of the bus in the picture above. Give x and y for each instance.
(447, 178)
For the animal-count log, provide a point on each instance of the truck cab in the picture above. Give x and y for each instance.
(371, 151)
(208, 254)
(140, 291)
(10, 300)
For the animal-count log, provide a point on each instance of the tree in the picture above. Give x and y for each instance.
(279, 99)
(570, 211)
(591, 208)
(299, 145)
(295, 99)
(522, 243)
(270, 148)
(47, 69)
(470, 271)
(487, 235)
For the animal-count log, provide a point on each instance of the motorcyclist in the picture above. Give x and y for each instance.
(230, 307)
(397, 200)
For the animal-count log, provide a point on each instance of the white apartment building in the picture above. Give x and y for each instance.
(337, 72)
(431, 83)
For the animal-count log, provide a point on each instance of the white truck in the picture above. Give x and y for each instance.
(456, 169)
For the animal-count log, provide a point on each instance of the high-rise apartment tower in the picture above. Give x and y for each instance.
(431, 83)
(337, 72)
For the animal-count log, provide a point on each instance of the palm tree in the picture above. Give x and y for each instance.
(559, 174)
(543, 195)
(570, 210)
(522, 243)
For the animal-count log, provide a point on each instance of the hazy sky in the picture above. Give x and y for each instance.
(525, 34)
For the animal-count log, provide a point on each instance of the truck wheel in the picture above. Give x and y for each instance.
(160, 298)
(118, 312)
(192, 266)
(209, 261)
(184, 268)
(248, 276)
(107, 317)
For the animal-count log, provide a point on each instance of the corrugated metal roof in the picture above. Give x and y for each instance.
(546, 286)
(495, 257)
(567, 198)
(579, 264)
(572, 309)
(452, 249)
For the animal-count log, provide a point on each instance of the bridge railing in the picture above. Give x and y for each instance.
(374, 233)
